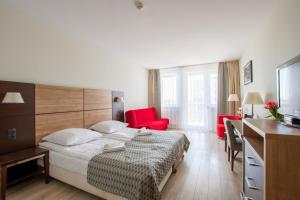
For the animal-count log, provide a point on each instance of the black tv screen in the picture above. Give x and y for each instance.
(289, 87)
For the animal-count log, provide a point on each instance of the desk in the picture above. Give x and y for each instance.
(271, 164)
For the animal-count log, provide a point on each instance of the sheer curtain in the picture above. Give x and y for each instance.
(170, 96)
(189, 96)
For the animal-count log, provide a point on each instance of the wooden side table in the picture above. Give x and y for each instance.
(18, 161)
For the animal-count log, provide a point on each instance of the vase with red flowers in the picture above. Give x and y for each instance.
(273, 107)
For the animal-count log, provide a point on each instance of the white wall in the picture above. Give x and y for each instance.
(276, 43)
(33, 52)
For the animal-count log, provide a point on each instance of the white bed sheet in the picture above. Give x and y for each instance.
(69, 163)
(83, 151)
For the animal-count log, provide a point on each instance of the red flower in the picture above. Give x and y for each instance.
(271, 105)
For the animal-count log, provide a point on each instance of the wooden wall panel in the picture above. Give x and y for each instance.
(48, 123)
(56, 99)
(93, 116)
(97, 99)
(25, 137)
(18, 116)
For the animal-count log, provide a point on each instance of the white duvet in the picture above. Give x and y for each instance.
(87, 150)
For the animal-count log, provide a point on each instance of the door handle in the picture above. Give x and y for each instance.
(252, 163)
(251, 185)
(243, 197)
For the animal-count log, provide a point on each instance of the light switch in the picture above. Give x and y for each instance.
(12, 133)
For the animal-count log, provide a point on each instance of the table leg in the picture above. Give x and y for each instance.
(46, 167)
(3, 182)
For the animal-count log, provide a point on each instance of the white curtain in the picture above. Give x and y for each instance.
(189, 96)
(170, 96)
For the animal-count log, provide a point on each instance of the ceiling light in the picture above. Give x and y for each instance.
(139, 5)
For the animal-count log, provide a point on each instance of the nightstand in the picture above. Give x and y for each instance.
(19, 165)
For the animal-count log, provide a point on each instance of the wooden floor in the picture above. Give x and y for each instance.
(203, 175)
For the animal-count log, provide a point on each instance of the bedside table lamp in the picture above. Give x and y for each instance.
(233, 98)
(252, 98)
(13, 97)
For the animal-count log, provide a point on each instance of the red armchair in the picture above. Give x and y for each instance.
(220, 123)
(146, 117)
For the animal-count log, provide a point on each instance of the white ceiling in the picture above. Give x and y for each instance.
(167, 33)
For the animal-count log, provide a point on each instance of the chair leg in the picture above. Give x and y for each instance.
(228, 154)
(232, 159)
(225, 144)
(236, 154)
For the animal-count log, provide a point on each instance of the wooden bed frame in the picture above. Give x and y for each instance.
(58, 108)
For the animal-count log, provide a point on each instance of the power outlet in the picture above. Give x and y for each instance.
(12, 134)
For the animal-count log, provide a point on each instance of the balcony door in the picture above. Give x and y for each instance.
(189, 96)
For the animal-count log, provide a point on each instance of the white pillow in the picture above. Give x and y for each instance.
(72, 136)
(110, 126)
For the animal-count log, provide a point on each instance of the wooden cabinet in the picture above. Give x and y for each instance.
(271, 160)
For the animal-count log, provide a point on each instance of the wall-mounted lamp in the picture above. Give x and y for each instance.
(119, 99)
(13, 97)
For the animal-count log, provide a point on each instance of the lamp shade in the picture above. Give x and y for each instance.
(252, 98)
(233, 97)
(13, 97)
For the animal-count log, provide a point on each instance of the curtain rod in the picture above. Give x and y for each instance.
(183, 66)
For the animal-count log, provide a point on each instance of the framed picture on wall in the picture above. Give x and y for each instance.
(248, 75)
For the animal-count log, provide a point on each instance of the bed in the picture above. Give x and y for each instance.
(63, 107)
(94, 172)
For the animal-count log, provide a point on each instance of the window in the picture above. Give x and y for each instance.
(189, 96)
(202, 96)
(196, 98)
(169, 91)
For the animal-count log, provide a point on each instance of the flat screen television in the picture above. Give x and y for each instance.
(288, 86)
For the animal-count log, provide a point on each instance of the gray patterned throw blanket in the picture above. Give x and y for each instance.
(137, 172)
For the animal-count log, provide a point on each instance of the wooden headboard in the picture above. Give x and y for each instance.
(58, 108)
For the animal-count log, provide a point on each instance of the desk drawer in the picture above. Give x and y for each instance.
(255, 194)
(254, 174)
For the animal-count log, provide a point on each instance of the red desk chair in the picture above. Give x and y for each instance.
(220, 124)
